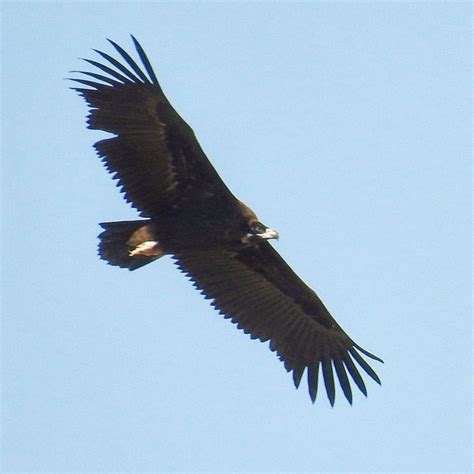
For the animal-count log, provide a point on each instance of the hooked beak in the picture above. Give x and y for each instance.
(269, 234)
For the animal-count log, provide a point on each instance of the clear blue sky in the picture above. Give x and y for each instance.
(347, 127)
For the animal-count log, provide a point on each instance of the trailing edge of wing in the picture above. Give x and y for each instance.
(244, 289)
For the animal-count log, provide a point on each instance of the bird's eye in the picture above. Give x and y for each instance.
(259, 228)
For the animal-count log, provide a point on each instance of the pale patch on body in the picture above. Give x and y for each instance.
(150, 248)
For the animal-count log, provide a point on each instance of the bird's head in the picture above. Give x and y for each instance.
(262, 231)
(256, 230)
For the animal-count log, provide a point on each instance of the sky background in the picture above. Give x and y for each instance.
(347, 127)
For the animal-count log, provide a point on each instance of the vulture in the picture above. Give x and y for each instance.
(218, 242)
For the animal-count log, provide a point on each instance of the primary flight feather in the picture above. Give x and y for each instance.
(215, 239)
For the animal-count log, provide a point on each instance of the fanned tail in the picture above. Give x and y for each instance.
(129, 244)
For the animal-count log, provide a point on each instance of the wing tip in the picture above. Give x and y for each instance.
(343, 367)
(368, 354)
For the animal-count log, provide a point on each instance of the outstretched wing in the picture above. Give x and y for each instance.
(258, 291)
(154, 154)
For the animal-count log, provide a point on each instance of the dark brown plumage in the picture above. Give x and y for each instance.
(214, 238)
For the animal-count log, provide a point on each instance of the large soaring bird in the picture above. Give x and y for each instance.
(215, 239)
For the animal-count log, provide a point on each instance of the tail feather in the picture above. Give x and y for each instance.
(120, 239)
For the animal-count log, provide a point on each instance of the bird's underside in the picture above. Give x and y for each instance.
(218, 242)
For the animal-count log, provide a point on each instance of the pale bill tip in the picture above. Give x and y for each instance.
(269, 234)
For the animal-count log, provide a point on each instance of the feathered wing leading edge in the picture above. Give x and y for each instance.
(160, 166)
